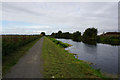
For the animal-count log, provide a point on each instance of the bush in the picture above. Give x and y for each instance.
(113, 40)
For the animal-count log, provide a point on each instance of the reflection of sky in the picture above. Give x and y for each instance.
(103, 55)
(65, 16)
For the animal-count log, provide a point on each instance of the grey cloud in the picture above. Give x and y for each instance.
(78, 16)
(11, 8)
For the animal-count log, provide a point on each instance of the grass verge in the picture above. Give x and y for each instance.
(12, 59)
(59, 63)
(59, 43)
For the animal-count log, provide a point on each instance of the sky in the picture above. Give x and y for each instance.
(48, 17)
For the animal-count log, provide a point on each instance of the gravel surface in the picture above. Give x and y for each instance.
(30, 65)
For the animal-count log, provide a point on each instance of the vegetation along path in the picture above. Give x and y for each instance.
(30, 65)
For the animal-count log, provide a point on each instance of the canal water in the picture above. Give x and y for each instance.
(103, 56)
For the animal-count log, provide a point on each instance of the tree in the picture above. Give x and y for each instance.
(76, 36)
(66, 35)
(53, 34)
(90, 35)
(42, 33)
(59, 34)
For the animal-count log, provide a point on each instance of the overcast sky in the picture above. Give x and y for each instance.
(35, 17)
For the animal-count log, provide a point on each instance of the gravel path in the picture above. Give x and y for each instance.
(30, 65)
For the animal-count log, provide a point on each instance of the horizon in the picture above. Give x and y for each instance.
(49, 34)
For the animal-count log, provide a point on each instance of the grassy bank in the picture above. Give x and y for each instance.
(10, 60)
(59, 43)
(59, 63)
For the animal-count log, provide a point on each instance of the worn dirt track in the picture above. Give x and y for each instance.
(30, 65)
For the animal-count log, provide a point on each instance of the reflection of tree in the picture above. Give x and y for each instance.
(118, 59)
(91, 51)
(90, 48)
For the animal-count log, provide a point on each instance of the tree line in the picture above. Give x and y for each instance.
(89, 36)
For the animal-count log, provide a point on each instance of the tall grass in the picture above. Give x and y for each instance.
(12, 42)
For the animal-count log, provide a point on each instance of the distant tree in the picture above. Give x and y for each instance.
(66, 35)
(59, 34)
(90, 35)
(42, 33)
(76, 36)
(53, 34)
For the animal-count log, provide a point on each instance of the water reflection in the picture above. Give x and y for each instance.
(119, 59)
(90, 48)
(104, 56)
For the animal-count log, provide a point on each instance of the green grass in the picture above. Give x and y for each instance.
(59, 63)
(12, 42)
(12, 58)
(59, 43)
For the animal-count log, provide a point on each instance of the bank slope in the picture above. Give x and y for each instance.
(58, 63)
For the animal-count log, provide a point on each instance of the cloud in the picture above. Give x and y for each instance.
(66, 16)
